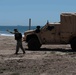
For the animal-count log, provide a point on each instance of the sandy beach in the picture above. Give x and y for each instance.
(49, 60)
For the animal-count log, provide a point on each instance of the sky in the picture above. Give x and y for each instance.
(18, 12)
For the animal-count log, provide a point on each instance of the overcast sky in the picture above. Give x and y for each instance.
(18, 12)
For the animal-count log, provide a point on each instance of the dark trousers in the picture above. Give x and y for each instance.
(19, 45)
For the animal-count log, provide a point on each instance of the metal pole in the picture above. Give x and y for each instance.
(29, 23)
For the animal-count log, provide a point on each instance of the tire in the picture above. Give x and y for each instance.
(73, 44)
(34, 44)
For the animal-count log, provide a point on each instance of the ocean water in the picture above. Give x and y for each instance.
(21, 29)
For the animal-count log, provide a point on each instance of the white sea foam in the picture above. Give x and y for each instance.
(6, 34)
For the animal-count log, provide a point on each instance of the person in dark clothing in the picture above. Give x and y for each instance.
(37, 29)
(18, 38)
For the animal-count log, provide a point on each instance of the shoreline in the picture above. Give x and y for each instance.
(9, 35)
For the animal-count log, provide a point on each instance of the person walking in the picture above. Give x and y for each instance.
(18, 38)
